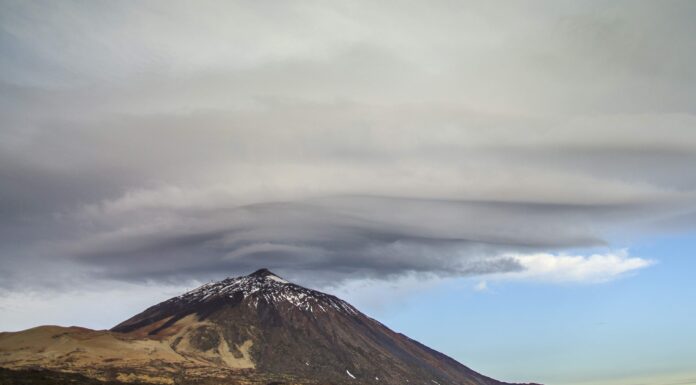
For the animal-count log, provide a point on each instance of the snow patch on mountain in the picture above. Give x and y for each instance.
(264, 286)
(276, 278)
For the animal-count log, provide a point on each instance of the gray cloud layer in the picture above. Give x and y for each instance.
(167, 140)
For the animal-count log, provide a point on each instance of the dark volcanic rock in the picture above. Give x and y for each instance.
(299, 333)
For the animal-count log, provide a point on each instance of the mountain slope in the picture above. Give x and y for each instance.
(255, 329)
(273, 326)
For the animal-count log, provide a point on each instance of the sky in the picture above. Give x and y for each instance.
(510, 183)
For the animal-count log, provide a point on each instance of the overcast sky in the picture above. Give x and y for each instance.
(149, 147)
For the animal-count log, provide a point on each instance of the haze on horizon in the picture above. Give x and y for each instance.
(512, 184)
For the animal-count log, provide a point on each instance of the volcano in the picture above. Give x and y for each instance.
(254, 329)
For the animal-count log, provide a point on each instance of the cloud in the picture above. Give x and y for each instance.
(594, 268)
(333, 141)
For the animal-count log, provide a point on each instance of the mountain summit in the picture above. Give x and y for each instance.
(261, 296)
(254, 329)
(284, 329)
(262, 273)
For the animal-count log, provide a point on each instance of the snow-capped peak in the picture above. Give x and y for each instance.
(265, 286)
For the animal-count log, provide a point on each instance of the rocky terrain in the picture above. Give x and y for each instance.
(255, 329)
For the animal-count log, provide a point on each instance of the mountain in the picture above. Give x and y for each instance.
(255, 329)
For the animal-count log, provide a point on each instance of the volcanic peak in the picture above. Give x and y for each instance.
(264, 286)
(262, 273)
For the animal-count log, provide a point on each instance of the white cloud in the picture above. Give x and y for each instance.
(562, 268)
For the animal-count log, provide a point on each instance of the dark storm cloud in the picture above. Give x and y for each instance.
(168, 141)
(330, 240)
